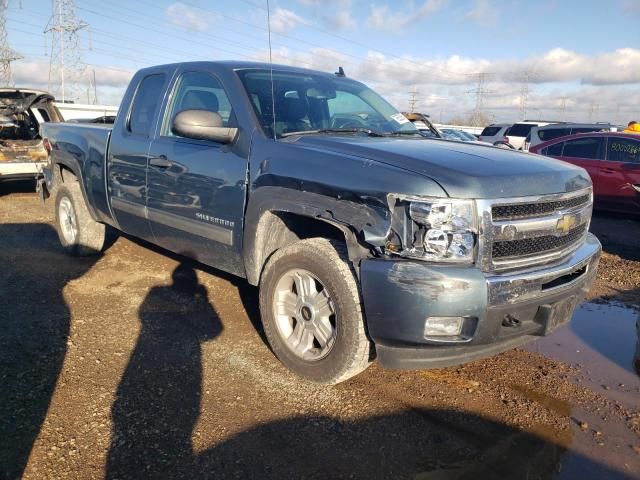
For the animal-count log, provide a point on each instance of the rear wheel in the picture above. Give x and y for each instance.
(311, 311)
(79, 234)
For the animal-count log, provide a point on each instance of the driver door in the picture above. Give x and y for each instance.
(196, 188)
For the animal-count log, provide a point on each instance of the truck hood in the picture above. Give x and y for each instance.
(462, 169)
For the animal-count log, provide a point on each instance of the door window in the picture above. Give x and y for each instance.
(198, 91)
(145, 104)
(554, 150)
(623, 150)
(588, 148)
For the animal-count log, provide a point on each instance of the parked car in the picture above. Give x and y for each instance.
(538, 135)
(612, 160)
(364, 238)
(518, 132)
(22, 111)
(461, 135)
(496, 132)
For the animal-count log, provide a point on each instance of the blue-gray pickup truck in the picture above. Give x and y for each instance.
(366, 240)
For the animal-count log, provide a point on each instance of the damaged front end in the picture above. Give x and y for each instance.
(22, 152)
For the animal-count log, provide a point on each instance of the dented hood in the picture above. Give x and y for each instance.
(14, 101)
(464, 170)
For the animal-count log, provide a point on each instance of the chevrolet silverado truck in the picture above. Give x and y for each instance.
(22, 112)
(366, 240)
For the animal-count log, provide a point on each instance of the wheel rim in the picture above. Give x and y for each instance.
(67, 219)
(305, 315)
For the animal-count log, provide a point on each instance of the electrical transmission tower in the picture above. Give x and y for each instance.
(527, 77)
(66, 67)
(7, 54)
(477, 117)
(563, 107)
(413, 99)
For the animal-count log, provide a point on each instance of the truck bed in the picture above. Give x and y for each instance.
(83, 149)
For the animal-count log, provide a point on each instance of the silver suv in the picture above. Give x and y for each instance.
(538, 135)
(494, 133)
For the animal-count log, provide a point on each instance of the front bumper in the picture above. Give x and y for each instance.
(400, 295)
(20, 170)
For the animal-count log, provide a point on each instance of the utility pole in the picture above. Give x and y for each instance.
(412, 101)
(66, 67)
(477, 117)
(7, 54)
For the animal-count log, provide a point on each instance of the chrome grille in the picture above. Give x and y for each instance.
(531, 246)
(528, 232)
(530, 210)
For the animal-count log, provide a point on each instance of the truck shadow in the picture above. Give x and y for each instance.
(17, 186)
(34, 327)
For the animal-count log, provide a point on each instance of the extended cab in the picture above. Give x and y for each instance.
(366, 239)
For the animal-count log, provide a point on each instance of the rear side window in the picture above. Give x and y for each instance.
(520, 129)
(490, 131)
(589, 148)
(552, 133)
(554, 150)
(146, 104)
(588, 129)
(623, 150)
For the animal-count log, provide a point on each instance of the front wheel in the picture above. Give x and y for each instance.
(79, 234)
(312, 313)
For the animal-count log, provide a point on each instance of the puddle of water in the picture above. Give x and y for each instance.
(603, 340)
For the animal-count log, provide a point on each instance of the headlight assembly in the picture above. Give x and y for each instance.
(434, 229)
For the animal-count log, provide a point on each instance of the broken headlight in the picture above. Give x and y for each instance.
(434, 229)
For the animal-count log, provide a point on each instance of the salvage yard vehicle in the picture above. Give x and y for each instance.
(612, 159)
(365, 239)
(538, 135)
(22, 111)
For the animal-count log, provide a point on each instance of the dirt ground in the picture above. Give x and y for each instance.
(119, 367)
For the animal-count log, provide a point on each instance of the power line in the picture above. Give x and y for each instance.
(7, 54)
(66, 66)
(563, 107)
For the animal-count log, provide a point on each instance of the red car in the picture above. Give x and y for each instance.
(612, 160)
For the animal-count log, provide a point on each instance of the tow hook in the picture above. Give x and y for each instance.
(510, 321)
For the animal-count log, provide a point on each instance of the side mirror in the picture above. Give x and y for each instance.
(202, 125)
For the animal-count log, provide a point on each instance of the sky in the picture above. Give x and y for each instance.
(570, 60)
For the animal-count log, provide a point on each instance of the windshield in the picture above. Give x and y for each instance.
(306, 103)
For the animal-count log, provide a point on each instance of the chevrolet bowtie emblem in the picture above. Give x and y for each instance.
(566, 223)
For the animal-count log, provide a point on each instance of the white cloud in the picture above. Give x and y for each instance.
(340, 16)
(340, 21)
(283, 20)
(184, 17)
(382, 18)
(484, 13)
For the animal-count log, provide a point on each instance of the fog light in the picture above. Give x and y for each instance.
(443, 326)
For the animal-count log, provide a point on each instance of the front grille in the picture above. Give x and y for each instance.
(532, 246)
(531, 210)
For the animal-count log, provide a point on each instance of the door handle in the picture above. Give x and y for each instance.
(160, 162)
(608, 170)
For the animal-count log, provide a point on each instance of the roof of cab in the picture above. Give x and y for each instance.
(242, 65)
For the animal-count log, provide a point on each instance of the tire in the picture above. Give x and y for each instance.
(79, 234)
(348, 350)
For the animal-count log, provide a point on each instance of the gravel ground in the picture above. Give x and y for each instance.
(110, 368)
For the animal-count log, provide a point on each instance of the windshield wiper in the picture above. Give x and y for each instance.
(367, 131)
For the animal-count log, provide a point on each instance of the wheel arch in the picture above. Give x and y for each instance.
(278, 217)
